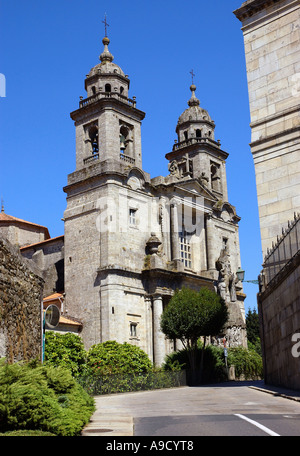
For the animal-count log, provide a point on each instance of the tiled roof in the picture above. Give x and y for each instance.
(53, 297)
(41, 242)
(63, 319)
(9, 218)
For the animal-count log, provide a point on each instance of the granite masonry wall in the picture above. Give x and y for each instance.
(279, 310)
(21, 290)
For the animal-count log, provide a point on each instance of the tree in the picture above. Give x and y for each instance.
(190, 315)
(252, 324)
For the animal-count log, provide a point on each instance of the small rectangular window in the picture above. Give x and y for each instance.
(133, 331)
(132, 216)
(224, 243)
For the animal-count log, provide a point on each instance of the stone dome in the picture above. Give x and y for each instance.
(106, 66)
(194, 112)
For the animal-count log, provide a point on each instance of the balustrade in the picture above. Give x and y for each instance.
(193, 140)
(100, 95)
(127, 158)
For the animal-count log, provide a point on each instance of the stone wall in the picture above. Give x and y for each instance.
(20, 306)
(279, 311)
(48, 256)
(272, 35)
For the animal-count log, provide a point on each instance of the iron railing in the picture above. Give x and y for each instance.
(283, 250)
(109, 384)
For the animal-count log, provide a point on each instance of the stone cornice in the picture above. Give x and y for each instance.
(275, 136)
(283, 113)
(194, 146)
(251, 7)
(110, 103)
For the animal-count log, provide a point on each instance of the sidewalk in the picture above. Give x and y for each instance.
(277, 391)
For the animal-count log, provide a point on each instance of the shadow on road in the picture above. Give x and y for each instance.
(257, 384)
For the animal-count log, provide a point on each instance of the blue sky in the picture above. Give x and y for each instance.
(49, 46)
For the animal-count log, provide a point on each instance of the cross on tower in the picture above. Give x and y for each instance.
(106, 24)
(193, 75)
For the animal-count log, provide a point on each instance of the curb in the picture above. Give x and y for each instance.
(276, 393)
(109, 426)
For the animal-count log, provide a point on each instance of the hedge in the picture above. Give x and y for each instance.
(121, 383)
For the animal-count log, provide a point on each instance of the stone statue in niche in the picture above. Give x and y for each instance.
(204, 179)
(173, 168)
(228, 280)
(182, 168)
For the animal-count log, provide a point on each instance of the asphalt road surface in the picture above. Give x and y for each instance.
(219, 425)
(226, 409)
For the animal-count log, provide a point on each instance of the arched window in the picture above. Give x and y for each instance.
(121, 90)
(198, 133)
(185, 135)
(94, 90)
(93, 136)
(107, 88)
(123, 135)
(215, 176)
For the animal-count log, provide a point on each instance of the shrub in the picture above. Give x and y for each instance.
(213, 363)
(247, 362)
(42, 398)
(113, 358)
(65, 350)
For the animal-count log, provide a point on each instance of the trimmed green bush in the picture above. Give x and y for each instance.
(65, 350)
(113, 358)
(42, 398)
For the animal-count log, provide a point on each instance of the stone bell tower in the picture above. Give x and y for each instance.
(108, 161)
(107, 121)
(195, 152)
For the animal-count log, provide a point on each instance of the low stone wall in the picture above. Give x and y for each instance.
(21, 290)
(279, 311)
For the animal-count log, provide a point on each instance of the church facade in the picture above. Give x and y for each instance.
(131, 240)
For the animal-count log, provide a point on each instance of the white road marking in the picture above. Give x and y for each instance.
(260, 426)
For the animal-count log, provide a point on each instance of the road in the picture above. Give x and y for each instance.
(227, 409)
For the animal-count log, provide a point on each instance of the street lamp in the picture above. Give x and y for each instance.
(240, 273)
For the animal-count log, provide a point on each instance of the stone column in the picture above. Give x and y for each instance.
(174, 232)
(149, 337)
(158, 335)
(211, 259)
(163, 220)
